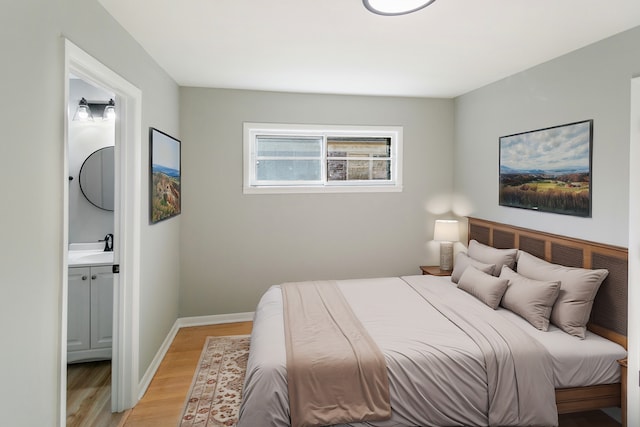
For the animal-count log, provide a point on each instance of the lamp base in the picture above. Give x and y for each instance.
(446, 256)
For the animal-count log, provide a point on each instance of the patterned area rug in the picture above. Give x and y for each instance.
(216, 391)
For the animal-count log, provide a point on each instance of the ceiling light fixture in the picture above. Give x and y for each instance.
(395, 7)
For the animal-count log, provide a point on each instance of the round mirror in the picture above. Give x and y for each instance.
(97, 178)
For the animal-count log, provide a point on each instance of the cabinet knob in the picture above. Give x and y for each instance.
(84, 277)
(94, 277)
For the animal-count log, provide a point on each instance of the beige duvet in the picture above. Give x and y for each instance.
(451, 361)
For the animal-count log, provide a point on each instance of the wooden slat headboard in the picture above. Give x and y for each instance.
(609, 313)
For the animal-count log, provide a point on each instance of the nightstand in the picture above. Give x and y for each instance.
(434, 270)
(623, 394)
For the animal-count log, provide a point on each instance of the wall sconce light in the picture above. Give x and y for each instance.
(83, 112)
(395, 7)
(86, 110)
(109, 111)
(446, 232)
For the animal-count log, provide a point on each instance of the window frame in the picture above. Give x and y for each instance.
(252, 186)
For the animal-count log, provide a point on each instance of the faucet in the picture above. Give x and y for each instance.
(108, 242)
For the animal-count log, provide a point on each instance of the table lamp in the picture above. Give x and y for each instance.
(446, 232)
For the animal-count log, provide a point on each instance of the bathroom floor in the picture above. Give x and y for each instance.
(89, 395)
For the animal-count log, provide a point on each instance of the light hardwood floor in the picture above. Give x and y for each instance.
(163, 402)
(89, 395)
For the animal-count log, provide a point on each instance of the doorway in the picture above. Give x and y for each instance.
(126, 225)
(90, 283)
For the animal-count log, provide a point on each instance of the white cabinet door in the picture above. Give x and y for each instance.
(89, 313)
(101, 306)
(78, 311)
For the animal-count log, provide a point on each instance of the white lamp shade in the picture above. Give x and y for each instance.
(446, 230)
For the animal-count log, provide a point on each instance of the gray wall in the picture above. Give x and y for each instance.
(591, 83)
(89, 26)
(234, 246)
(32, 41)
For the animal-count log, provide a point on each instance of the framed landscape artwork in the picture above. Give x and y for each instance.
(548, 169)
(164, 182)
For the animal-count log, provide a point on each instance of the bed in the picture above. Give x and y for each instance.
(436, 380)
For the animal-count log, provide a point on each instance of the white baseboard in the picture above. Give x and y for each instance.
(184, 322)
(155, 363)
(214, 319)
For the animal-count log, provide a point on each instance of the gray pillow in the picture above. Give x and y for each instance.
(463, 261)
(578, 288)
(528, 298)
(489, 255)
(485, 287)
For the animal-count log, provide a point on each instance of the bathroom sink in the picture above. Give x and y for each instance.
(81, 254)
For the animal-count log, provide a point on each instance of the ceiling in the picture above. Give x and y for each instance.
(337, 46)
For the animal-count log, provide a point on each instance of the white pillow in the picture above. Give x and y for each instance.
(463, 261)
(489, 255)
(578, 288)
(485, 287)
(528, 298)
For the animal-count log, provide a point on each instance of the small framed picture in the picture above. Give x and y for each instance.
(164, 182)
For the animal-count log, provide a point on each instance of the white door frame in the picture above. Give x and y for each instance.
(633, 359)
(127, 225)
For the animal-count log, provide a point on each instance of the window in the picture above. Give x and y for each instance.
(281, 158)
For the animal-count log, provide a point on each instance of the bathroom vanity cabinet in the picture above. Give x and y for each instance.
(89, 313)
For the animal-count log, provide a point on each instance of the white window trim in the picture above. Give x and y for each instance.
(251, 130)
